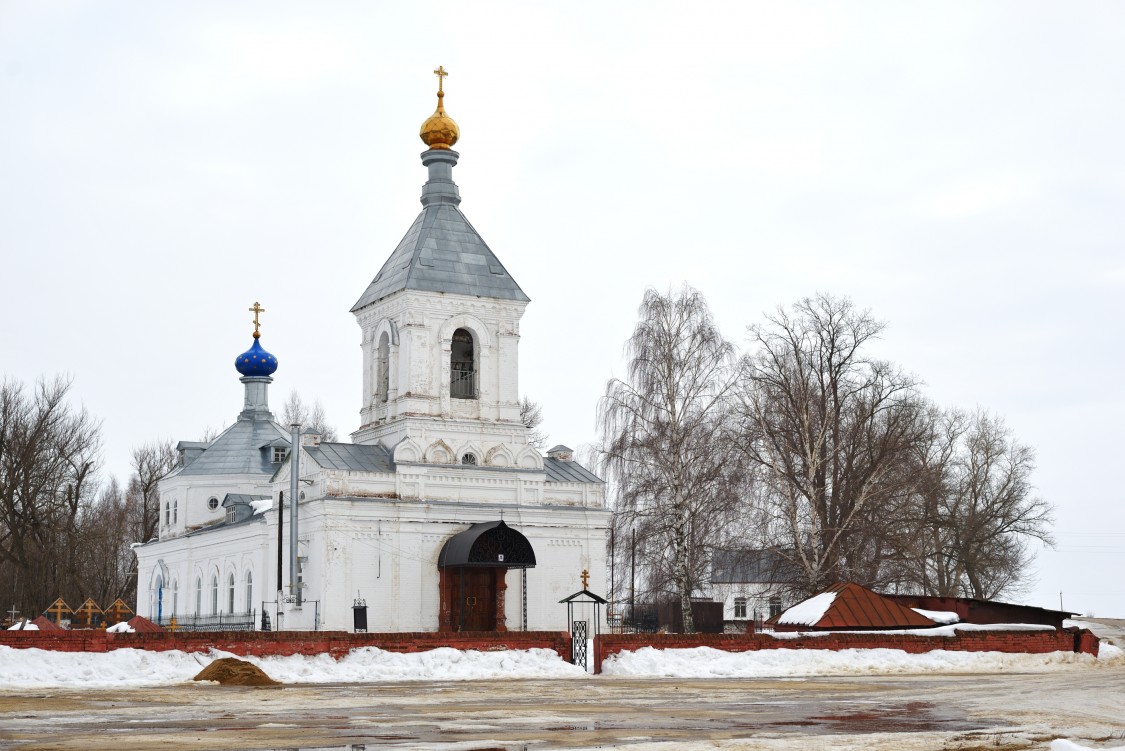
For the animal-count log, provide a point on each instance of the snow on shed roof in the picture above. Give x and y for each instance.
(848, 605)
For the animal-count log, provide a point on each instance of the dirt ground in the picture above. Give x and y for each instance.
(994, 712)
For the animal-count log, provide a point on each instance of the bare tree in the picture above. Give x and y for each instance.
(663, 436)
(48, 459)
(988, 512)
(831, 432)
(531, 415)
(150, 462)
(310, 418)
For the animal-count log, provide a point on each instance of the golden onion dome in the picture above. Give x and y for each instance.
(439, 131)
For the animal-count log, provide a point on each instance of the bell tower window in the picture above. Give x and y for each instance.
(383, 368)
(462, 367)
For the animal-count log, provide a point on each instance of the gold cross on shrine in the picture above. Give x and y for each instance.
(256, 310)
(585, 579)
(440, 73)
(58, 607)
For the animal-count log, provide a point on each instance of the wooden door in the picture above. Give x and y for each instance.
(475, 600)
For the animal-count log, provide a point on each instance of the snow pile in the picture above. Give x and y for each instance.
(938, 616)
(810, 611)
(261, 506)
(121, 628)
(23, 626)
(1065, 745)
(138, 667)
(705, 662)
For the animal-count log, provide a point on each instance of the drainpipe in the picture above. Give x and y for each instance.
(294, 492)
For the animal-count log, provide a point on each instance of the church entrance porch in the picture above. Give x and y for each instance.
(472, 566)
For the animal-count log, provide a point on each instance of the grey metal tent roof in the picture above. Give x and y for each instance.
(488, 544)
(442, 252)
(352, 456)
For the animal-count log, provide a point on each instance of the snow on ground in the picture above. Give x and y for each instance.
(138, 667)
(808, 612)
(705, 662)
(1065, 745)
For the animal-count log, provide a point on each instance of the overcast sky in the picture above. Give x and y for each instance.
(958, 168)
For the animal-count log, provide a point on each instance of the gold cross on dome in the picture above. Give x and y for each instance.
(585, 579)
(440, 73)
(256, 310)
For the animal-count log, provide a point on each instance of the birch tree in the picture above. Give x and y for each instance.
(664, 436)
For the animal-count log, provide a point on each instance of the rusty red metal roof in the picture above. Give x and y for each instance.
(858, 607)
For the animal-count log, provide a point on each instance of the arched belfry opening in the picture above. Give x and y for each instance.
(462, 366)
(473, 565)
(383, 368)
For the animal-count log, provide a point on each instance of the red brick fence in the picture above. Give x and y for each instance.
(264, 643)
(1029, 642)
(339, 643)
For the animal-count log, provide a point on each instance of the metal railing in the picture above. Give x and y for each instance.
(463, 384)
(218, 622)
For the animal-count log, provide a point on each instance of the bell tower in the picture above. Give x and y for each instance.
(440, 332)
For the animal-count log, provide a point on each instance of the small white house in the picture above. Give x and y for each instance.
(752, 584)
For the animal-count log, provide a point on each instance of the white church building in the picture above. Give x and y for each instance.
(439, 516)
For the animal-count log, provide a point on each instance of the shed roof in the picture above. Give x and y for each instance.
(855, 606)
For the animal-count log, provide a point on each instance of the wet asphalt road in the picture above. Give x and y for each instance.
(939, 712)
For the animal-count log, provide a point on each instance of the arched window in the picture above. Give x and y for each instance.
(175, 597)
(214, 594)
(157, 603)
(249, 591)
(198, 595)
(230, 593)
(383, 368)
(462, 366)
(175, 511)
(469, 458)
(167, 513)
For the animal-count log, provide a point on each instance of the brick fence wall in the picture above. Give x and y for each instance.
(1033, 642)
(264, 643)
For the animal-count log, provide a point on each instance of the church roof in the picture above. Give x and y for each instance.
(442, 252)
(238, 450)
(561, 471)
(352, 456)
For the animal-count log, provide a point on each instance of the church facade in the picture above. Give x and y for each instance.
(439, 516)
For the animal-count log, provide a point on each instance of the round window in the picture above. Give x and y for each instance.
(212, 503)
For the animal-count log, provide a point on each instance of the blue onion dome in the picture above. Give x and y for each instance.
(256, 361)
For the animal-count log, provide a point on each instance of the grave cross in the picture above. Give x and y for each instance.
(585, 579)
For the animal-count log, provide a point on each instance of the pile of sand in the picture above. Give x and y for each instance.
(231, 671)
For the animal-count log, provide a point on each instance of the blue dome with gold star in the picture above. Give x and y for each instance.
(256, 361)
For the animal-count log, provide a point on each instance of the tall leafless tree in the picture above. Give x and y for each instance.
(531, 415)
(295, 410)
(48, 457)
(831, 431)
(663, 437)
(984, 513)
